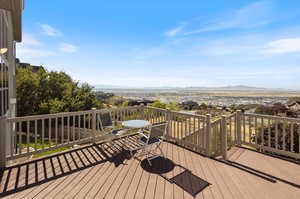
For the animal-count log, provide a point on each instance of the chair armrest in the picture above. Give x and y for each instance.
(142, 134)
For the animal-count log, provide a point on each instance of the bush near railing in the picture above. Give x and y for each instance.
(287, 136)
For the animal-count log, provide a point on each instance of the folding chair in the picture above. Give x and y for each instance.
(152, 141)
(107, 126)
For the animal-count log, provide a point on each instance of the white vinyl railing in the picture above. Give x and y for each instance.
(35, 134)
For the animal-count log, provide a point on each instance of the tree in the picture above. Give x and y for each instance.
(275, 109)
(173, 106)
(190, 105)
(203, 106)
(264, 110)
(293, 99)
(279, 108)
(158, 104)
(44, 92)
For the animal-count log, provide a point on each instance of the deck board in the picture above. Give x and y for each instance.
(90, 172)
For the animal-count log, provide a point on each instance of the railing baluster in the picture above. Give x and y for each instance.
(62, 130)
(269, 132)
(276, 134)
(195, 132)
(50, 125)
(43, 133)
(255, 128)
(262, 131)
(299, 138)
(179, 128)
(250, 129)
(56, 131)
(284, 136)
(20, 137)
(79, 127)
(73, 132)
(244, 125)
(27, 135)
(13, 138)
(35, 135)
(230, 129)
(68, 129)
(84, 121)
(89, 121)
(185, 127)
(292, 137)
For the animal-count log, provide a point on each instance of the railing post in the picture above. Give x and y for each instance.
(3, 146)
(208, 131)
(142, 109)
(224, 137)
(168, 118)
(239, 127)
(94, 124)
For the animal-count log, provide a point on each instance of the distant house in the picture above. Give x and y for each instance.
(294, 106)
(140, 102)
(27, 65)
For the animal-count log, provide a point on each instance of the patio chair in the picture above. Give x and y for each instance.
(152, 141)
(107, 126)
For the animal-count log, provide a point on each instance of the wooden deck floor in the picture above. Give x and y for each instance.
(91, 172)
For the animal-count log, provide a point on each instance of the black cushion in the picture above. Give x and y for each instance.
(118, 131)
(151, 140)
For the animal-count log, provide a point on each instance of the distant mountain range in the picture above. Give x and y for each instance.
(200, 88)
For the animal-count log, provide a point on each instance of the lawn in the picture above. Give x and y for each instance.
(46, 145)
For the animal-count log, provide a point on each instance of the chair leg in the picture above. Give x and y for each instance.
(162, 153)
(131, 153)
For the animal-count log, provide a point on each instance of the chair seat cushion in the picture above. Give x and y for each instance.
(151, 141)
(118, 131)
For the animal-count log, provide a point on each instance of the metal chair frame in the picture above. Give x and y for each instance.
(147, 147)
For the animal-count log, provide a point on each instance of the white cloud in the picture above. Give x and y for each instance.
(49, 30)
(68, 48)
(289, 45)
(30, 48)
(252, 15)
(25, 52)
(29, 39)
(175, 31)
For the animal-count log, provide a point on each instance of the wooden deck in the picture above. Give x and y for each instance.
(95, 172)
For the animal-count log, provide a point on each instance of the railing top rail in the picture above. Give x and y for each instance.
(46, 116)
(216, 122)
(157, 109)
(116, 109)
(230, 115)
(273, 117)
(176, 112)
(65, 114)
(189, 114)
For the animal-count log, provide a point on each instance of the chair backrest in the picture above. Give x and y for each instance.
(158, 130)
(105, 120)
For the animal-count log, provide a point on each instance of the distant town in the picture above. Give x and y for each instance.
(221, 96)
(218, 102)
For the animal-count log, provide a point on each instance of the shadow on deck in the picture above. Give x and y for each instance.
(108, 171)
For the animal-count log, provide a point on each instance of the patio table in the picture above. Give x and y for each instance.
(136, 124)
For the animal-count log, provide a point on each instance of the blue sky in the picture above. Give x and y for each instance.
(166, 43)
